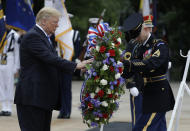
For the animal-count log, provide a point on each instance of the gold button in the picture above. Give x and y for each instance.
(162, 89)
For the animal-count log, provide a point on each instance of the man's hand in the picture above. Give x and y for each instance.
(134, 91)
(82, 64)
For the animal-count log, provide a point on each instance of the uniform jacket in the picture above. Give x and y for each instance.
(133, 79)
(153, 65)
(40, 65)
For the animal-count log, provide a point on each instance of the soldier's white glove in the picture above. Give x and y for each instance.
(169, 65)
(134, 91)
(77, 60)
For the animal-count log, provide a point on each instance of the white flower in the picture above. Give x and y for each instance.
(109, 91)
(119, 62)
(98, 63)
(119, 40)
(105, 67)
(120, 51)
(104, 103)
(98, 48)
(97, 118)
(97, 89)
(117, 76)
(89, 121)
(112, 45)
(89, 71)
(112, 101)
(104, 82)
(92, 95)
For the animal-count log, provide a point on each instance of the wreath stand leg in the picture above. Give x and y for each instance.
(102, 127)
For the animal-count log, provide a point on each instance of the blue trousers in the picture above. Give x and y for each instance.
(145, 122)
(151, 122)
(136, 108)
(66, 95)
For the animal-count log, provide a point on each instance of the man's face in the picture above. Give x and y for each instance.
(51, 25)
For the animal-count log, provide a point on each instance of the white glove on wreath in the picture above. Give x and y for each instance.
(134, 91)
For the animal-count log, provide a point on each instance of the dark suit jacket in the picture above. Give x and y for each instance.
(40, 65)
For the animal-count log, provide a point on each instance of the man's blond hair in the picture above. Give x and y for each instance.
(46, 13)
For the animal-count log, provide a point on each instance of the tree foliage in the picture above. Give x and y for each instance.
(116, 11)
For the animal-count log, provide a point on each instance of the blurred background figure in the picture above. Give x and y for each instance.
(8, 67)
(92, 23)
(66, 79)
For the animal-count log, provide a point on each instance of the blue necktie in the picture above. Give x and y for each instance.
(49, 40)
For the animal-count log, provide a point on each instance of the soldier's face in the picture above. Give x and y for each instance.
(143, 35)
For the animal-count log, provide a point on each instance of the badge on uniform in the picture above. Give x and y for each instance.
(147, 54)
(127, 56)
(156, 53)
(3, 59)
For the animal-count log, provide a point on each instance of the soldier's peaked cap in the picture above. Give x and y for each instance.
(133, 24)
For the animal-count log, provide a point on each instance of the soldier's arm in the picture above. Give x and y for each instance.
(127, 74)
(159, 56)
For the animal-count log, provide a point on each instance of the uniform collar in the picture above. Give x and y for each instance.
(146, 39)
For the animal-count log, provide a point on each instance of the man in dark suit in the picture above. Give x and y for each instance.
(152, 64)
(37, 93)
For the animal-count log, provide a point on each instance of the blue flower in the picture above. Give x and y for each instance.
(115, 82)
(108, 54)
(94, 74)
(111, 87)
(112, 59)
(94, 124)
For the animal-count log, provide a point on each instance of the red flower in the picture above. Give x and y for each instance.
(118, 82)
(96, 77)
(96, 96)
(101, 93)
(112, 52)
(111, 68)
(115, 97)
(114, 39)
(117, 44)
(87, 94)
(112, 32)
(110, 95)
(90, 105)
(105, 115)
(102, 49)
(119, 32)
(120, 70)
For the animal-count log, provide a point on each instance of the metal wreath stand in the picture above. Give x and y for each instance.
(180, 94)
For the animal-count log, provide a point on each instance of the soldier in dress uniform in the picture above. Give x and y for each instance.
(152, 64)
(134, 81)
(8, 67)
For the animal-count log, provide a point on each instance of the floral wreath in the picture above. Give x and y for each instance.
(104, 85)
